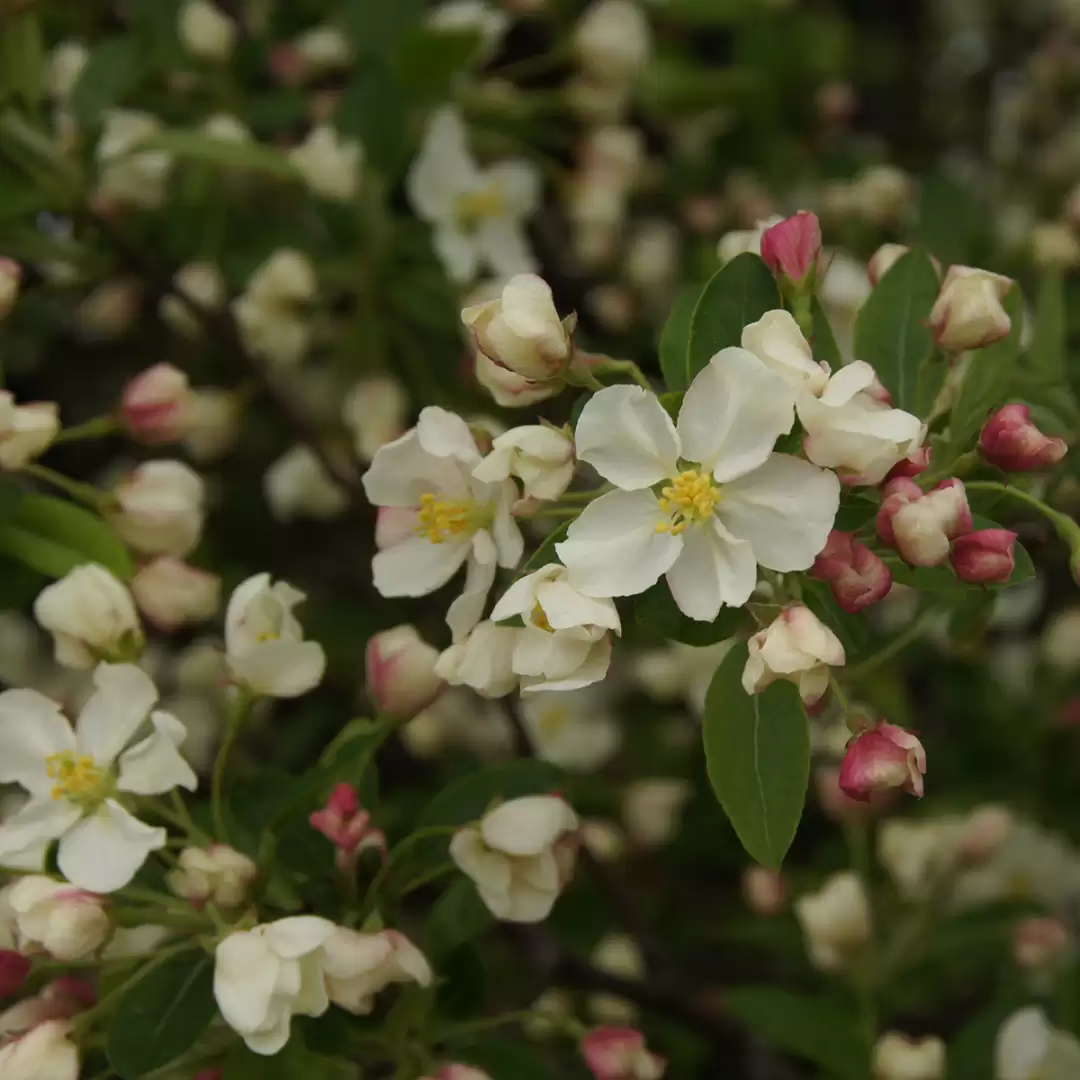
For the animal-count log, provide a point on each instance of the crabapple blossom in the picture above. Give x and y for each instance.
(214, 424)
(154, 407)
(45, 1052)
(985, 557)
(91, 616)
(1027, 1047)
(791, 248)
(652, 809)
(857, 576)
(575, 729)
(66, 922)
(896, 1057)
(172, 594)
(1040, 943)
(347, 825)
(297, 486)
(206, 31)
(968, 313)
(218, 875)
(66, 63)
(329, 164)
(265, 976)
(565, 643)
(726, 504)
(765, 891)
(1012, 442)
(457, 16)
(484, 661)
(520, 856)
(271, 312)
(401, 677)
(541, 457)
(776, 340)
(76, 778)
(613, 41)
(456, 519)
(835, 920)
(883, 757)
(920, 526)
(620, 1054)
(359, 966)
(160, 508)
(374, 411)
(26, 431)
(621, 956)
(796, 646)
(477, 214)
(135, 178)
(204, 284)
(264, 642)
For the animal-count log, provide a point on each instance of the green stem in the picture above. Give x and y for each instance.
(1064, 525)
(237, 716)
(897, 645)
(97, 428)
(384, 871)
(427, 879)
(84, 493)
(623, 367)
(567, 1024)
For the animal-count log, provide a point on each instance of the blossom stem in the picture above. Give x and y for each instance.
(626, 367)
(84, 493)
(240, 711)
(567, 1025)
(897, 645)
(1064, 525)
(413, 838)
(97, 428)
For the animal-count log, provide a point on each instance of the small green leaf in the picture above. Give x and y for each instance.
(372, 108)
(509, 1061)
(53, 537)
(428, 59)
(824, 343)
(739, 293)
(757, 751)
(1046, 354)
(293, 1062)
(821, 1031)
(162, 1015)
(377, 28)
(114, 69)
(656, 610)
(675, 340)
(457, 917)
(891, 332)
(223, 153)
(22, 57)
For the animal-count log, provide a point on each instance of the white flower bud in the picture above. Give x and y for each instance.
(1054, 246)
(375, 411)
(91, 615)
(206, 31)
(619, 955)
(330, 164)
(66, 63)
(172, 594)
(542, 457)
(202, 281)
(217, 875)
(154, 406)
(968, 313)
(45, 1051)
(882, 193)
(796, 646)
(125, 177)
(66, 922)
(835, 920)
(401, 676)
(613, 40)
(323, 48)
(108, 312)
(297, 486)
(896, 1057)
(652, 810)
(160, 508)
(26, 431)
(270, 313)
(213, 423)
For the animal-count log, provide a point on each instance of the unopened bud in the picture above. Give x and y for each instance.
(986, 557)
(156, 405)
(880, 758)
(1013, 443)
(14, 969)
(968, 313)
(1040, 943)
(765, 891)
(793, 247)
(401, 676)
(857, 576)
(10, 280)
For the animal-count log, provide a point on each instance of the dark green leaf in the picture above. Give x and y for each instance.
(852, 630)
(22, 57)
(891, 332)
(377, 28)
(952, 225)
(739, 293)
(162, 1016)
(114, 69)
(1046, 354)
(294, 1062)
(675, 340)
(757, 750)
(656, 610)
(466, 799)
(813, 1028)
(428, 59)
(457, 917)
(372, 108)
(53, 537)
(855, 511)
(824, 343)
(509, 1061)
(224, 153)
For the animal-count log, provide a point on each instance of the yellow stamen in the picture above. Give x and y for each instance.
(477, 206)
(691, 497)
(441, 519)
(268, 635)
(77, 777)
(539, 618)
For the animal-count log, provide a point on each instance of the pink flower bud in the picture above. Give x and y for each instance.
(14, 968)
(968, 313)
(620, 1054)
(857, 576)
(156, 405)
(765, 891)
(880, 758)
(837, 806)
(1013, 443)
(986, 557)
(401, 675)
(76, 994)
(920, 526)
(10, 279)
(792, 248)
(1040, 943)
(913, 465)
(984, 834)
(347, 825)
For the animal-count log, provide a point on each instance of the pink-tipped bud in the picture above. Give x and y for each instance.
(837, 806)
(765, 891)
(156, 406)
(857, 576)
(14, 969)
(913, 465)
(77, 994)
(968, 313)
(881, 758)
(920, 526)
(620, 1054)
(10, 280)
(1013, 443)
(986, 557)
(401, 675)
(1040, 942)
(347, 825)
(792, 248)
(985, 832)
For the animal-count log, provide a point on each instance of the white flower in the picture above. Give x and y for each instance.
(613, 40)
(542, 457)
(1029, 1048)
(108, 312)
(172, 594)
(76, 778)
(917, 853)
(564, 644)
(1061, 641)
(160, 508)
(745, 241)
(726, 504)
(374, 411)
(264, 642)
(66, 922)
(91, 615)
(509, 389)
(835, 920)
(226, 127)
(681, 672)
(265, 976)
(477, 214)
(968, 313)
(776, 340)
(573, 729)
(271, 314)
(358, 966)
(45, 1052)
(66, 63)
(520, 855)
(323, 48)
(205, 31)
(458, 519)
(796, 646)
(203, 282)
(135, 178)
(217, 875)
(652, 809)
(619, 955)
(483, 661)
(26, 431)
(897, 1057)
(297, 486)
(461, 16)
(213, 423)
(330, 164)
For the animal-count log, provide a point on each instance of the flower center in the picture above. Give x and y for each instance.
(690, 498)
(78, 777)
(442, 519)
(540, 619)
(475, 206)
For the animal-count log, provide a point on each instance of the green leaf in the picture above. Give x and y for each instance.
(739, 293)
(952, 224)
(986, 383)
(824, 343)
(377, 28)
(428, 59)
(509, 1061)
(162, 1015)
(466, 799)
(222, 153)
(656, 610)
(757, 751)
(114, 69)
(457, 917)
(852, 630)
(1046, 354)
(821, 1031)
(22, 57)
(293, 1062)
(53, 537)
(372, 108)
(891, 332)
(675, 340)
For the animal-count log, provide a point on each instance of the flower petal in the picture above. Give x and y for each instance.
(733, 413)
(505, 245)
(245, 974)
(565, 607)
(281, 668)
(403, 470)
(444, 434)
(714, 569)
(122, 700)
(786, 510)
(104, 851)
(1021, 1045)
(444, 168)
(468, 609)
(34, 826)
(613, 548)
(850, 380)
(520, 184)
(416, 566)
(298, 935)
(509, 543)
(627, 436)
(528, 825)
(155, 765)
(32, 728)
